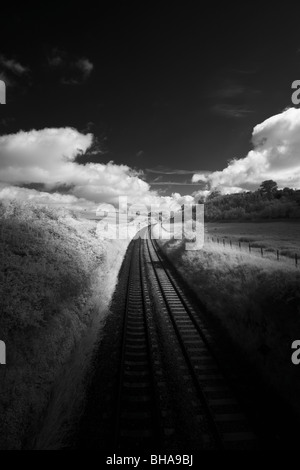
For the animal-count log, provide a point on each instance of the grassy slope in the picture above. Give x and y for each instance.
(257, 301)
(53, 283)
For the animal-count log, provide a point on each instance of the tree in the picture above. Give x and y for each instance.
(288, 192)
(268, 187)
(215, 193)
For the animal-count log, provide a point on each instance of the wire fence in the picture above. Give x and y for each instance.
(254, 248)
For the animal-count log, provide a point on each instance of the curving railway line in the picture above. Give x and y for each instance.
(139, 421)
(162, 385)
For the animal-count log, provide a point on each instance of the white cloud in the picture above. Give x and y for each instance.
(48, 157)
(13, 66)
(275, 156)
(44, 198)
(199, 178)
(76, 70)
(173, 202)
(86, 66)
(202, 193)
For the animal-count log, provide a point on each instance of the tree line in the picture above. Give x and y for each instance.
(267, 202)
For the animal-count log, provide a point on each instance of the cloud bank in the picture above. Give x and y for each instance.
(276, 156)
(46, 160)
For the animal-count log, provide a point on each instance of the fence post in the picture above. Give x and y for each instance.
(249, 248)
(296, 260)
(240, 245)
(262, 252)
(224, 241)
(218, 240)
(277, 255)
(230, 243)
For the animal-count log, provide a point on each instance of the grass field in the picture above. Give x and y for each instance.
(271, 236)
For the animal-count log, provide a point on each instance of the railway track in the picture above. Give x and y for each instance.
(143, 419)
(137, 420)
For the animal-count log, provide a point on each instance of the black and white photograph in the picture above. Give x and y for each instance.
(150, 229)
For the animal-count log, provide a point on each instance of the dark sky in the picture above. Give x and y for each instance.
(173, 89)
